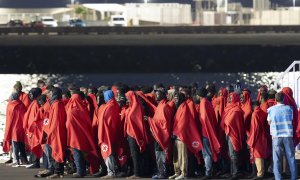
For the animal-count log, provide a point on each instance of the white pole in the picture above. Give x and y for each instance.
(226, 4)
(145, 1)
(294, 3)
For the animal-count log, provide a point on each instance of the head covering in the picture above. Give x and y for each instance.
(36, 92)
(108, 95)
(56, 94)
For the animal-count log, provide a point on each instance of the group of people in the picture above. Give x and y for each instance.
(165, 132)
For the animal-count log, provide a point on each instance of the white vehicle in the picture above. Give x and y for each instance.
(48, 21)
(117, 20)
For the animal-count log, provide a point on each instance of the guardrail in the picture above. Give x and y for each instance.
(149, 30)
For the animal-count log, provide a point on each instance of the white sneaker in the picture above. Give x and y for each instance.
(180, 177)
(15, 165)
(174, 176)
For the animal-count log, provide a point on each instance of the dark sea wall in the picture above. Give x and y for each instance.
(147, 59)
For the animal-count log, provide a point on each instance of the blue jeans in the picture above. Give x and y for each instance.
(48, 153)
(235, 159)
(287, 144)
(79, 162)
(207, 156)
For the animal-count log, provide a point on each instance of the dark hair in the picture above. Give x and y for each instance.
(42, 99)
(255, 103)
(271, 94)
(202, 92)
(49, 87)
(279, 97)
(40, 82)
(264, 96)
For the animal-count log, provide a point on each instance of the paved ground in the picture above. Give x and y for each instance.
(264, 39)
(10, 173)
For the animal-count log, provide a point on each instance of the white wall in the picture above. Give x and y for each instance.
(162, 13)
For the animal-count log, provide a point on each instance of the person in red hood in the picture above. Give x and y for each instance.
(22, 96)
(186, 136)
(136, 131)
(246, 105)
(109, 132)
(289, 100)
(28, 122)
(258, 137)
(79, 133)
(160, 126)
(209, 125)
(92, 100)
(66, 97)
(14, 132)
(42, 85)
(222, 99)
(262, 89)
(56, 132)
(233, 124)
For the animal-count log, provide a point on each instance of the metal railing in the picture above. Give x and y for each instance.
(290, 78)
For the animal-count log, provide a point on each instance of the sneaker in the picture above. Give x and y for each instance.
(15, 164)
(174, 176)
(33, 166)
(75, 175)
(55, 176)
(108, 177)
(180, 177)
(159, 177)
(133, 177)
(44, 173)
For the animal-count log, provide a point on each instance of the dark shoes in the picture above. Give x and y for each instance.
(55, 176)
(205, 177)
(100, 174)
(44, 173)
(75, 175)
(33, 166)
(257, 178)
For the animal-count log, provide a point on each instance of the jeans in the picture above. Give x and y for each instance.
(111, 165)
(79, 162)
(235, 158)
(48, 153)
(19, 148)
(207, 156)
(278, 145)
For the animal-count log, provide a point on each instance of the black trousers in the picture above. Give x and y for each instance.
(140, 167)
(19, 148)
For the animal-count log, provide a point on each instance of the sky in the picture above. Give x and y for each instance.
(62, 3)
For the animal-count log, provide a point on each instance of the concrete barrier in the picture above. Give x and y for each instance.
(148, 30)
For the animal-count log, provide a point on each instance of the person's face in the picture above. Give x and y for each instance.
(242, 98)
(220, 93)
(159, 96)
(31, 97)
(229, 99)
(84, 90)
(48, 94)
(121, 99)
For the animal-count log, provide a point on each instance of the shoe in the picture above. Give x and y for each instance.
(44, 173)
(55, 176)
(133, 177)
(121, 174)
(180, 177)
(108, 177)
(234, 178)
(174, 176)
(225, 176)
(33, 166)
(75, 175)
(257, 178)
(99, 174)
(205, 177)
(9, 161)
(15, 164)
(159, 177)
